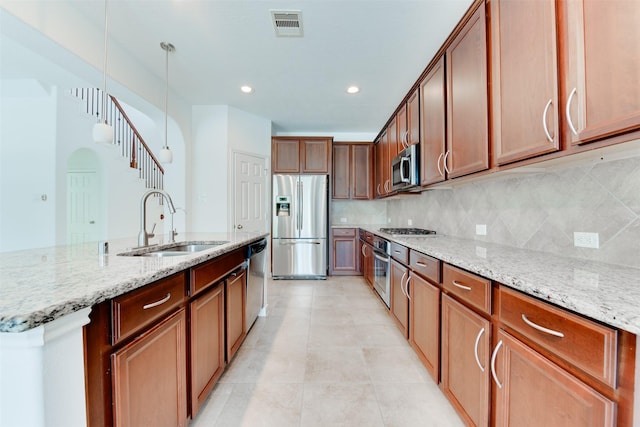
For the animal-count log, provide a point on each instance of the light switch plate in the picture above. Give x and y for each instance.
(409, 222)
(481, 229)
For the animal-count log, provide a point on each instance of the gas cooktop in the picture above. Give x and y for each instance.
(407, 231)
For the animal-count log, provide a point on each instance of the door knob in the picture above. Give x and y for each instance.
(239, 227)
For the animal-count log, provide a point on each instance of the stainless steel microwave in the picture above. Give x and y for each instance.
(405, 169)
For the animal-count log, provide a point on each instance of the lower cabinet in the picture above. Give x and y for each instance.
(367, 262)
(399, 302)
(465, 361)
(149, 377)
(424, 323)
(235, 297)
(531, 391)
(207, 344)
(345, 252)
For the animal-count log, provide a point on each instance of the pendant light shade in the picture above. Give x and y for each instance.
(166, 156)
(102, 131)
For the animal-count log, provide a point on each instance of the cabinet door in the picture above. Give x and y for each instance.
(149, 377)
(207, 344)
(345, 251)
(380, 154)
(401, 129)
(392, 151)
(314, 156)
(362, 171)
(433, 95)
(399, 303)
(340, 178)
(533, 392)
(525, 84)
(467, 106)
(367, 263)
(413, 118)
(602, 65)
(424, 323)
(285, 155)
(235, 297)
(465, 361)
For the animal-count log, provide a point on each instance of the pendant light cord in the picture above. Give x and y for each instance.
(104, 68)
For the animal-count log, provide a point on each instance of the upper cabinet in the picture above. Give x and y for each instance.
(601, 94)
(301, 155)
(467, 100)
(433, 125)
(352, 176)
(413, 119)
(524, 79)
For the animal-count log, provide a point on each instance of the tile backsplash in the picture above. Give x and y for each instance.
(365, 212)
(540, 211)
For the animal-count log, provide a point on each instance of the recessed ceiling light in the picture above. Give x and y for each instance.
(246, 89)
(353, 89)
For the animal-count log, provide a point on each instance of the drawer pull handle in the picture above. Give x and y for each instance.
(542, 328)
(461, 286)
(396, 251)
(421, 264)
(475, 349)
(157, 303)
(493, 364)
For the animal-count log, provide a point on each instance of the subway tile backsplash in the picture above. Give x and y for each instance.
(539, 211)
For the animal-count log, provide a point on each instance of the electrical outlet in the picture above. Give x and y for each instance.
(481, 229)
(409, 222)
(481, 252)
(586, 240)
(343, 220)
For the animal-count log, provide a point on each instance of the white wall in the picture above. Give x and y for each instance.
(27, 172)
(216, 132)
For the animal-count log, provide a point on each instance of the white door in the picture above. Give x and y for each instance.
(82, 210)
(249, 192)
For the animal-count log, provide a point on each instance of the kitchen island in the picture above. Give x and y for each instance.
(46, 296)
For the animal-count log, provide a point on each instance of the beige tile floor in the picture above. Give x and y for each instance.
(327, 354)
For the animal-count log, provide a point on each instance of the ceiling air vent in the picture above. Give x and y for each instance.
(287, 23)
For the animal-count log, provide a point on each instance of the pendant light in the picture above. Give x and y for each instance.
(166, 156)
(102, 131)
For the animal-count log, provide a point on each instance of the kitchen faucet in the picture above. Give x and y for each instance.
(143, 236)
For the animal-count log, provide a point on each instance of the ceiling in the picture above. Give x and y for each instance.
(300, 82)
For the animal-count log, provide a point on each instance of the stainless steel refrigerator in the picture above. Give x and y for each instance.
(300, 224)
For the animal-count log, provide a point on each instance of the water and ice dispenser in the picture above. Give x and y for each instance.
(283, 205)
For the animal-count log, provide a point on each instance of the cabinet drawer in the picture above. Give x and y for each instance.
(344, 232)
(400, 253)
(474, 290)
(210, 272)
(133, 311)
(589, 346)
(424, 265)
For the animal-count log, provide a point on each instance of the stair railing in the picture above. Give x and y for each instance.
(126, 137)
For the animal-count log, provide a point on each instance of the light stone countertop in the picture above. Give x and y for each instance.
(604, 292)
(41, 285)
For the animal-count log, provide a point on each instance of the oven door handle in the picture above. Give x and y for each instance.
(378, 257)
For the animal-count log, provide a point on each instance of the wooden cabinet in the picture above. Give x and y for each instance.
(525, 107)
(398, 301)
(433, 130)
(413, 118)
(465, 361)
(235, 307)
(401, 129)
(291, 155)
(149, 377)
(352, 171)
(383, 167)
(424, 322)
(207, 344)
(531, 391)
(345, 259)
(467, 100)
(468, 287)
(367, 262)
(601, 65)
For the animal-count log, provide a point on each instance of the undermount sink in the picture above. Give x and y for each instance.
(178, 250)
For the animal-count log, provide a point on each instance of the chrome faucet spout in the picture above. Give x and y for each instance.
(143, 236)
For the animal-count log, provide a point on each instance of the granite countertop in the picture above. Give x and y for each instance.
(41, 285)
(604, 292)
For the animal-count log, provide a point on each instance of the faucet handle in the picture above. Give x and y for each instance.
(151, 234)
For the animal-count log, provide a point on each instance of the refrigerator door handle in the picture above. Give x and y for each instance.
(301, 242)
(301, 204)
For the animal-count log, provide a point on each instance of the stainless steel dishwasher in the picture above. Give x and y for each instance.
(256, 280)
